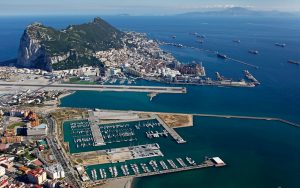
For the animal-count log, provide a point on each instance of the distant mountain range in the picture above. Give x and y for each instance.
(237, 11)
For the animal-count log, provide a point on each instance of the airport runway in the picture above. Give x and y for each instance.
(117, 88)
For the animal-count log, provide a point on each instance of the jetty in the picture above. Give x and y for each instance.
(171, 131)
(210, 162)
(216, 115)
(250, 117)
(98, 138)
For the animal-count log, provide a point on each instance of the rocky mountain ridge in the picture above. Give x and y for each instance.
(48, 48)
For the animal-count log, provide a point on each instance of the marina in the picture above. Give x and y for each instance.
(150, 167)
(91, 135)
(124, 157)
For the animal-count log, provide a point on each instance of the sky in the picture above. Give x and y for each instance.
(136, 7)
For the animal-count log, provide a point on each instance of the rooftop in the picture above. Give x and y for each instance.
(35, 172)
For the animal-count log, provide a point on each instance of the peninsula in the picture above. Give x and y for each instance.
(97, 52)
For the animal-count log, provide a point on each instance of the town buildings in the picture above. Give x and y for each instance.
(37, 176)
(55, 171)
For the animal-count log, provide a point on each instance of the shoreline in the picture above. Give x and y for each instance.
(119, 183)
(68, 93)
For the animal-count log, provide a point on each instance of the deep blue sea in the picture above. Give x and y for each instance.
(259, 154)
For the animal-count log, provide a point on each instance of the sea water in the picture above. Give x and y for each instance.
(259, 154)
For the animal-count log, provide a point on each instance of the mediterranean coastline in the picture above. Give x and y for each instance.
(177, 104)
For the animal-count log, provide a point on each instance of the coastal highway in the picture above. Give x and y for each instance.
(51, 140)
(117, 88)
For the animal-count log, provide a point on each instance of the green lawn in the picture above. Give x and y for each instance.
(76, 80)
(28, 156)
(16, 124)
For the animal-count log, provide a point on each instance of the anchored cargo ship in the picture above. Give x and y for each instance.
(249, 76)
(294, 62)
(255, 52)
(280, 45)
(222, 56)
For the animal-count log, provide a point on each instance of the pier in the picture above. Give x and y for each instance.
(250, 117)
(171, 131)
(98, 138)
(217, 116)
(152, 95)
(207, 163)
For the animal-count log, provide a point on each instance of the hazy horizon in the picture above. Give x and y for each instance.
(137, 7)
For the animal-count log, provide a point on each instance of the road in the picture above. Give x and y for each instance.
(4, 123)
(70, 173)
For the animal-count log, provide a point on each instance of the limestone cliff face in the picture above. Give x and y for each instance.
(29, 49)
(32, 52)
(46, 48)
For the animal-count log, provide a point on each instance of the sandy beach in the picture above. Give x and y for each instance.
(119, 183)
